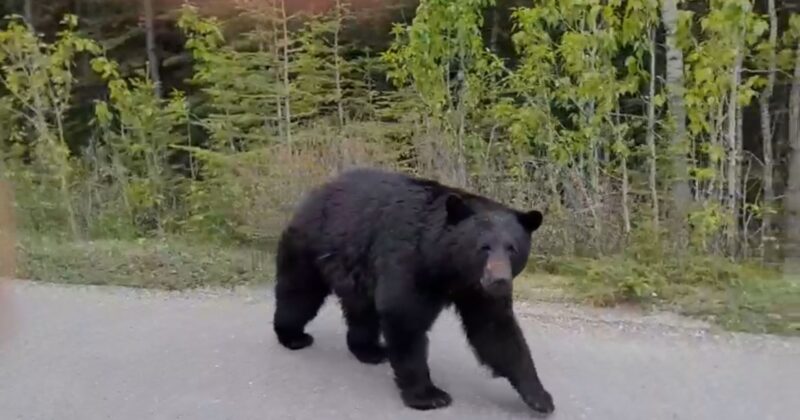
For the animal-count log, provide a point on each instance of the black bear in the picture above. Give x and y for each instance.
(396, 250)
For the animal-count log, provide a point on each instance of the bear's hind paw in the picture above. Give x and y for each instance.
(371, 355)
(296, 341)
(427, 398)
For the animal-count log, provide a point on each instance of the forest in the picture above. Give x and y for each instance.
(167, 141)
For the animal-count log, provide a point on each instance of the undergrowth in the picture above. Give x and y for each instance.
(738, 297)
(164, 264)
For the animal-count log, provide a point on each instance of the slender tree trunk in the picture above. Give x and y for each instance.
(734, 170)
(461, 110)
(651, 132)
(792, 196)
(747, 217)
(287, 113)
(337, 64)
(717, 187)
(626, 216)
(461, 163)
(679, 189)
(767, 138)
(63, 175)
(593, 166)
(741, 221)
(82, 11)
(27, 12)
(150, 39)
(275, 49)
(495, 32)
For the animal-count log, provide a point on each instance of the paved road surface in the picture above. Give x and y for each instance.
(89, 353)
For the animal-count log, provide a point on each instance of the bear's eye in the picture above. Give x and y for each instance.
(511, 249)
(486, 248)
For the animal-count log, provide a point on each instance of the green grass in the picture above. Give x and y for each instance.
(736, 297)
(756, 305)
(168, 265)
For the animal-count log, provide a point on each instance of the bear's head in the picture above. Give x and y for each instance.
(491, 243)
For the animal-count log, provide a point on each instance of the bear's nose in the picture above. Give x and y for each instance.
(498, 269)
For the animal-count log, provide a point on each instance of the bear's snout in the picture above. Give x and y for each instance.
(496, 277)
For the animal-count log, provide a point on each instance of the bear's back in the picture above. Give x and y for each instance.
(345, 215)
(353, 210)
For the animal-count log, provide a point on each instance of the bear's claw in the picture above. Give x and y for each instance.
(541, 404)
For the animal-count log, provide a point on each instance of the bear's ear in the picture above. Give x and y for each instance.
(457, 209)
(530, 220)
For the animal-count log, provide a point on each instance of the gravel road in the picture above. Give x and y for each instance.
(84, 353)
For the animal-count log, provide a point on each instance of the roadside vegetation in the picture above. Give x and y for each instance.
(661, 139)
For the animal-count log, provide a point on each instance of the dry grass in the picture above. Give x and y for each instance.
(8, 256)
(8, 235)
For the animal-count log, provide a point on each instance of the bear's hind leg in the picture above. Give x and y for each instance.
(363, 329)
(299, 294)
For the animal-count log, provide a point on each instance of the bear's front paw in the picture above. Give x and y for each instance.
(540, 402)
(426, 398)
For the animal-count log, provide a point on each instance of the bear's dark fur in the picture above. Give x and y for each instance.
(396, 250)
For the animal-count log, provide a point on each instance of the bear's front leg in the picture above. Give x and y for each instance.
(408, 355)
(493, 332)
(406, 315)
(405, 318)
